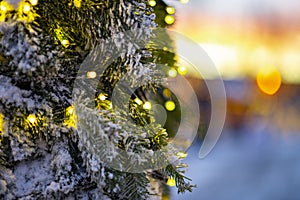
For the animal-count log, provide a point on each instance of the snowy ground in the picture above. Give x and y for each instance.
(264, 167)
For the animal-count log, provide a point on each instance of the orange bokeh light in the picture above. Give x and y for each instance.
(269, 81)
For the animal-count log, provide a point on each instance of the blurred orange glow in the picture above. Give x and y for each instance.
(240, 46)
(268, 80)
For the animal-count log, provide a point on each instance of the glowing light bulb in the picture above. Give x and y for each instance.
(34, 2)
(70, 110)
(65, 43)
(170, 10)
(182, 71)
(171, 182)
(269, 80)
(167, 93)
(102, 97)
(172, 73)
(31, 118)
(170, 105)
(26, 8)
(138, 101)
(169, 19)
(70, 118)
(77, 3)
(184, 1)
(147, 105)
(3, 8)
(152, 3)
(91, 74)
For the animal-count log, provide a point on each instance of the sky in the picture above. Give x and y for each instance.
(244, 36)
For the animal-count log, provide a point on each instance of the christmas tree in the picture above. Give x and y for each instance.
(67, 66)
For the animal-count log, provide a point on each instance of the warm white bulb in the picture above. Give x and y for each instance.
(147, 105)
(169, 19)
(152, 3)
(31, 118)
(102, 97)
(3, 8)
(34, 2)
(91, 74)
(65, 43)
(26, 8)
(70, 110)
(172, 73)
(170, 10)
(138, 101)
(182, 71)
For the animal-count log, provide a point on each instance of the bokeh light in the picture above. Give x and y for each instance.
(102, 97)
(138, 101)
(182, 70)
(171, 182)
(184, 1)
(269, 80)
(65, 43)
(152, 3)
(172, 73)
(91, 74)
(169, 19)
(170, 10)
(31, 118)
(34, 2)
(170, 105)
(147, 105)
(26, 8)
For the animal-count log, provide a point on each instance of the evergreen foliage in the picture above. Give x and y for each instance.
(44, 154)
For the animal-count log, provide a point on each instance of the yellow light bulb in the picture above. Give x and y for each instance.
(184, 1)
(3, 8)
(169, 19)
(91, 74)
(152, 3)
(26, 8)
(65, 43)
(138, 101)
(102, 97)
(170, 10)
(71, 117)
(170, 105)
(34, 2)
(172, 73)
(147, 105)
(31, 118)
(167, 93)
(171, 182)
(77, 3)
(182, 71)
(70, 110)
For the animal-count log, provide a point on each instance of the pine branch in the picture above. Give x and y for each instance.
(135, 187)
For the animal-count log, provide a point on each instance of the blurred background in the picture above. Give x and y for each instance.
(255, 45)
